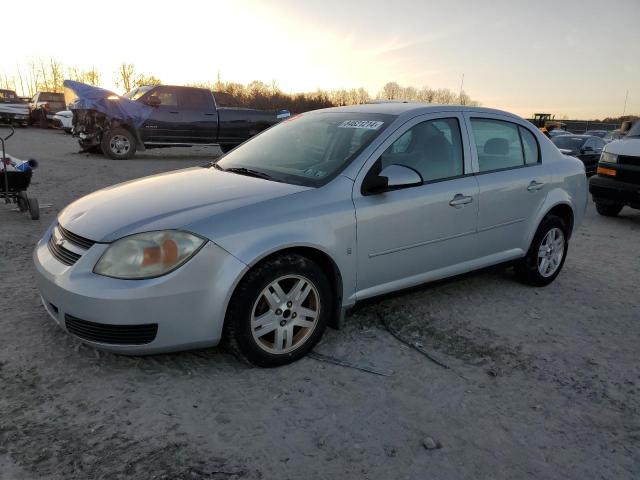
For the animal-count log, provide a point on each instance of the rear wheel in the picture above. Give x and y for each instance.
(118, 144)
(279, 311)
(608, 210)
(547, 253)
(34, 208)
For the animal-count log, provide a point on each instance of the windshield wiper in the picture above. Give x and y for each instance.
(247, 171)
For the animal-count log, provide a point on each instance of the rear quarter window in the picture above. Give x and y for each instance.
(529, 147)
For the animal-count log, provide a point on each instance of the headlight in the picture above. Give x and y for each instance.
(608, 157)
(147, 255)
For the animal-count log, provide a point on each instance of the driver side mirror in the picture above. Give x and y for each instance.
(587, 149)
(392, 177)
(154, 101)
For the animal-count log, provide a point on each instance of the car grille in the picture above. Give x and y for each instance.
(628, 160)
(61, 239)
(112, 334)
(629, 176)
(76, 239)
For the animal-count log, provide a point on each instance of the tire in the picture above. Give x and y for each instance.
(532, 270)
(608, 209)
(23, 201)
(285, 339)
(34, 208)
(118, 144)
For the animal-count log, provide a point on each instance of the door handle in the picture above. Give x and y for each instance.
(459, 200)
(174, 112)
(535, 185)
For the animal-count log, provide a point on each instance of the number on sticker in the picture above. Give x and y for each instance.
(366, 124)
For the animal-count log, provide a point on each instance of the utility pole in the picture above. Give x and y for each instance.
(624, 110)
(461, 84)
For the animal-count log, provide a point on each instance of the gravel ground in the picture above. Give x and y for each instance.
(542, 383)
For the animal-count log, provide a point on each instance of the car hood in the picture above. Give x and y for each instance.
(625, 146)
(167, 201)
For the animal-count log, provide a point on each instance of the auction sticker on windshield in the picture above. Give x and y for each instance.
(367, 124)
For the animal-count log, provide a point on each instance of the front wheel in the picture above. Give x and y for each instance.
(279, 311)
(608, 210)
(118, 144)
(547, 253)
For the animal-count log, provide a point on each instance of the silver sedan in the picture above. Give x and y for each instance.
(277, 239)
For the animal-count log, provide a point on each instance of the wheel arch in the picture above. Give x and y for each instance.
(322, 258)
(565, 212)
(129, 128)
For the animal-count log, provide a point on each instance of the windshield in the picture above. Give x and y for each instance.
(137, 93)
(635, 130)
(568, 142)
(309, 149)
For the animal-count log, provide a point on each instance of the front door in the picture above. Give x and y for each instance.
(409, 236)
(165, 124)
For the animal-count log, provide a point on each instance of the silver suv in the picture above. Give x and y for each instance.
(276, 240)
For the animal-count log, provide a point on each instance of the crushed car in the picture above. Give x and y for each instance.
(159, 116)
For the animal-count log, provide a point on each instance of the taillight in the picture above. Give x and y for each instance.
(45, 106)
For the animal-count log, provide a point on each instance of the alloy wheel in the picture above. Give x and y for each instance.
(285, 314)
(551, 252)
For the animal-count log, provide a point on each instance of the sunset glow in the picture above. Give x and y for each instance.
(569, 58)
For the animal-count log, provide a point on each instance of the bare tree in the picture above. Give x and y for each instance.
(125, 76)
(391, 91)
(147, 80)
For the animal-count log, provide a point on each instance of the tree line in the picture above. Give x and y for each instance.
(48, 75)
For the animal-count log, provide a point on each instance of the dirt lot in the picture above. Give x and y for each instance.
(542, 384)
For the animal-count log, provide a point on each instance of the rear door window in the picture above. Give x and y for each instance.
(195, 99)
(497, 144)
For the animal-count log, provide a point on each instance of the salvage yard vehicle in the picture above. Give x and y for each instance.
(585, 147)
(63, 120)
(160, 116)
(268, 245)
(13, 109)
(617, 182)
(43, 106)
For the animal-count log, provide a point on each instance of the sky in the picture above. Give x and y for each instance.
(574, 58)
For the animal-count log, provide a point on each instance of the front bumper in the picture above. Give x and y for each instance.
(187, 305)
(609, 190)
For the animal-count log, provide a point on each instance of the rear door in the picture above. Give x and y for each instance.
(512, 179)
(199, 114)
(165, 124)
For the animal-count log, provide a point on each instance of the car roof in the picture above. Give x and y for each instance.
(412, 109)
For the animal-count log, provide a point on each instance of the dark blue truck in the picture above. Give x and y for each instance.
(161, 116)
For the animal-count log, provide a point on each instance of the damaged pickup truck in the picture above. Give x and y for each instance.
(159, 117)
